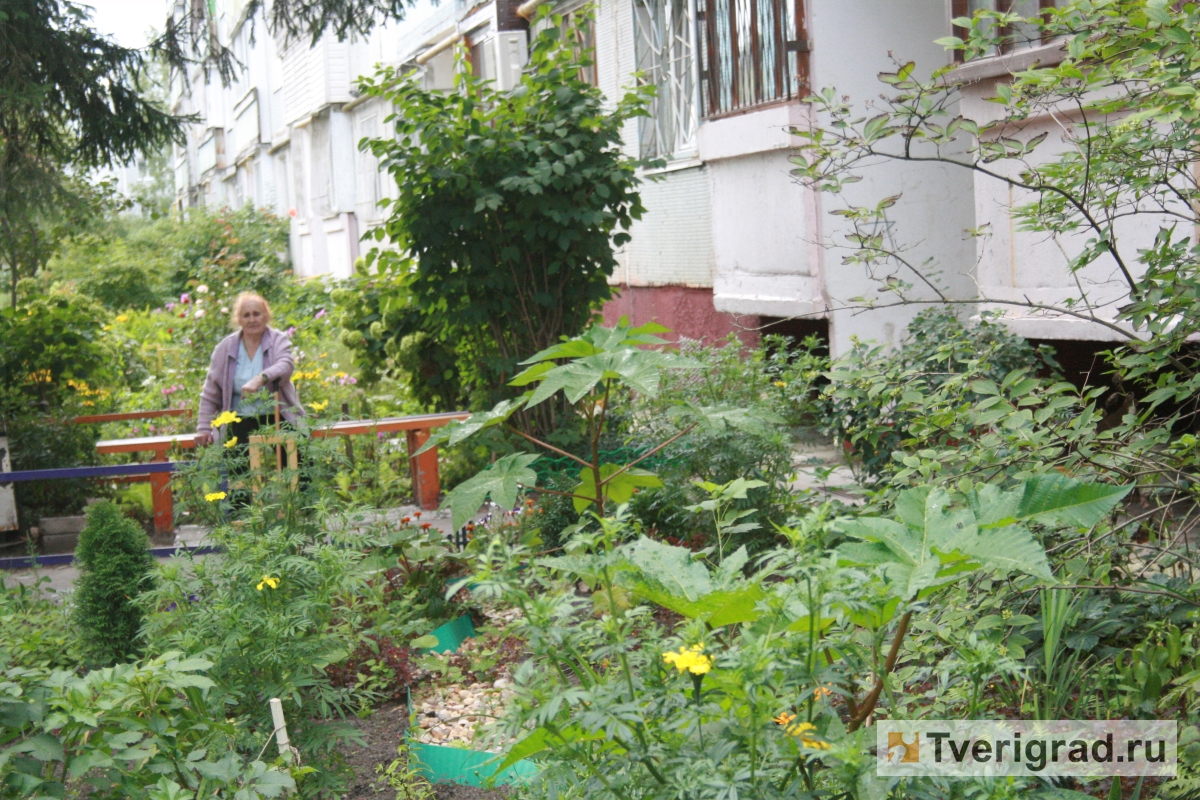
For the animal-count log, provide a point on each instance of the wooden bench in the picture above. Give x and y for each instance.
(425, 479)
(122, 416)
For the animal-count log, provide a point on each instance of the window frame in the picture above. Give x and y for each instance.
(962, 8)
(681, 100)
(791, 66)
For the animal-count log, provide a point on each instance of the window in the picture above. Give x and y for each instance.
(212, 151)
(321, 194)
(585, 41)
(755, 53)
(664, 38)
(367, 169)
(583, 14)
(1016, 37)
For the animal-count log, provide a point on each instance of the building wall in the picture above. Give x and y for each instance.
(735, 219)
(283, 140)
(761, 220)
(1020, 265)
(728, 235)
(853, 41)
(665, 272)
(688, 312)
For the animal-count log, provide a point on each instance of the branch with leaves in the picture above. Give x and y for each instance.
(591, 372)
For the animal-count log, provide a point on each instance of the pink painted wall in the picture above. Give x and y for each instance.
(686, 311)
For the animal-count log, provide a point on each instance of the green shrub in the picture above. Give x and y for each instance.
(797, 372)
(35, 631)
(114, 273)
(731, 376)
(148, 731)
(507, 238)
(876, 398)
(114, 567)
(265, 612)
(39, 442)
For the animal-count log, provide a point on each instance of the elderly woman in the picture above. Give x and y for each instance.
(253, 358)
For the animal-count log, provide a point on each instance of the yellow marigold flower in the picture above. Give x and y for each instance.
(224, 418)
(268, 581)
(801, 730)
(213, 497)
(319, 407)
(784, 719)
(122, 318)
(232, 441)
(690, 659)
(780, 384)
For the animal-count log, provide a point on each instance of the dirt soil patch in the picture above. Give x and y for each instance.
(383, 732)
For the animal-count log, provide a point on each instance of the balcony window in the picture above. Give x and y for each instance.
(755, 54)
(1014, 37)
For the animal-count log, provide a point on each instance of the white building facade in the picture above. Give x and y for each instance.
(731, 242)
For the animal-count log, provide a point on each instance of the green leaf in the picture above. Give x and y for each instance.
(615, 490)
(1008, 549)
(534, 373)
(725, 417)
(502, 480)
(718, 609)
(1048, 499)
(1063, 500)
(424, 642)
(531, 745)
(939, 541)
(674, 569)
(456, 431)
(43, 747)
(902, 544)
(541, 740)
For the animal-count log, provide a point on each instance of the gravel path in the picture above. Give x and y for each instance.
(383, 731)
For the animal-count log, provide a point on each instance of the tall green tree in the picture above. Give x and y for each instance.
(69, 101)
(509, 206)
(72, 99)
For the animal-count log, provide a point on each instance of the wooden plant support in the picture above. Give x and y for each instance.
(259, 441)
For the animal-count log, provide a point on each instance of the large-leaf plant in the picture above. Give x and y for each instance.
(592, 371)
(795, 650)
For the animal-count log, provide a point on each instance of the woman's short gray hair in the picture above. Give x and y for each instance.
(236, 314)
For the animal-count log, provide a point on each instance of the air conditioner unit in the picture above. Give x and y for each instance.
(512, 54)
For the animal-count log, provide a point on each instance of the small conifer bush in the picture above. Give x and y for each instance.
(114, 567)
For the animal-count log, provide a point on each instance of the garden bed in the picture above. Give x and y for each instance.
(384, 731)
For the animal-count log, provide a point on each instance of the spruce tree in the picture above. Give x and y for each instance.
(114, 567)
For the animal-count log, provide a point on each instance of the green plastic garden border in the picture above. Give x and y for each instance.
(451, 635)
(441, 764)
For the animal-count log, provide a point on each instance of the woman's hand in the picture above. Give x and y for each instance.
(252, 385)
(204, 439)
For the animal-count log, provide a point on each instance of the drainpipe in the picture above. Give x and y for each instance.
(697, 111)
(444, 44)
(527, 8)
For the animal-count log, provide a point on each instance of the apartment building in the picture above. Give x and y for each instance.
(730, 241)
